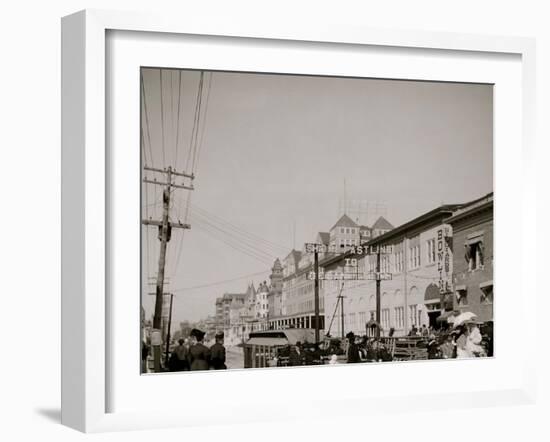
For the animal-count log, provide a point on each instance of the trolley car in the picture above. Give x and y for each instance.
(264, 347)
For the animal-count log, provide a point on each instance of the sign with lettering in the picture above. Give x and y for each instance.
(355, 250)
(336, 276)
(379, 276)
(443, 259)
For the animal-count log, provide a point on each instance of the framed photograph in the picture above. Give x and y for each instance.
(259, 214)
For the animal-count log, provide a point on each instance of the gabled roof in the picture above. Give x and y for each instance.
(296, 255)
(324, 237)
(382, 224)
(344, 221)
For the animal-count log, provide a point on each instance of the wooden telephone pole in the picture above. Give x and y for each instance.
(378, 280)
(165, 231)
(316, 300)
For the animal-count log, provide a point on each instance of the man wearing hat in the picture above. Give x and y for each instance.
(217, 353)
(353, 350)
(199, 354)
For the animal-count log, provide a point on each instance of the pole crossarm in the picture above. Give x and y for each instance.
(174, 172)
(160, 183)
(152, 222)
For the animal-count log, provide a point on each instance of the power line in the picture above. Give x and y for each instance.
(147, 119)
(215, 218)
(162, 119)
(205, 114)
(240, 239)
(235, 245)
(178, 120)
(213, 284)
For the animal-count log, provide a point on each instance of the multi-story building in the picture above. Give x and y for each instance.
(418, 260)
(380, 226)
(297, 306)
(275, 295)
(344, 234)
(262, 307)
(227, 302)
(219, 315)
(298, 292)
(473, 258)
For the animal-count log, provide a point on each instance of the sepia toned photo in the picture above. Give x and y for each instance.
(295, 220)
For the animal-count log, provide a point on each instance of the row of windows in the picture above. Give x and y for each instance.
(485, 297)
(348, 230)
(395, 263)
(386, 320)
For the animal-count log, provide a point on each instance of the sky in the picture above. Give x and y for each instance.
(275, 156)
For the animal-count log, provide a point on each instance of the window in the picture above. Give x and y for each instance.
(342, 230)
(474, 254)
(362, 318)
(399, 319)
(385, 320)
(385, 264)
(486, 296)
(413, 314)
(414, 257)
(461, 296)
(352, 320)
(430, 251)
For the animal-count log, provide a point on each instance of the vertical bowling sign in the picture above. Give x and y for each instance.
(443, 258)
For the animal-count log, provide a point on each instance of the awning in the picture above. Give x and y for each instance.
(460, 288)
(486, 284)
(270, 342)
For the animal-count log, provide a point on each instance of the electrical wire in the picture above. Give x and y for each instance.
(235, 243)
(213, 284)
(215, 218)
(146, 118)
(162, 119)
(240, 239)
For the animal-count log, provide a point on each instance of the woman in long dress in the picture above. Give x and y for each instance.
(199, 354)
(468, 344)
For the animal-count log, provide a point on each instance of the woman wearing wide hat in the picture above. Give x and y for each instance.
(199, 354)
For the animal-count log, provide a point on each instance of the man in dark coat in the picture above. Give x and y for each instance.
(199, 354)
(217, 353)
(181, 352)
(296, 356)
(353, 350)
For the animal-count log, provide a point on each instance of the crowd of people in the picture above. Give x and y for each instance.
(468, 340)
(465, 341)
(191, 354)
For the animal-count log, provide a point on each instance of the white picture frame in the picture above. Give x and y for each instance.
(86, 232)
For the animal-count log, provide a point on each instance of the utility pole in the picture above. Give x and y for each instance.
(378, 278)
(342, 317)
(316, 270)
(168, 331)
(165, 231)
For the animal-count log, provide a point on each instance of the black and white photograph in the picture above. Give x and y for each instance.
(299, 220)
